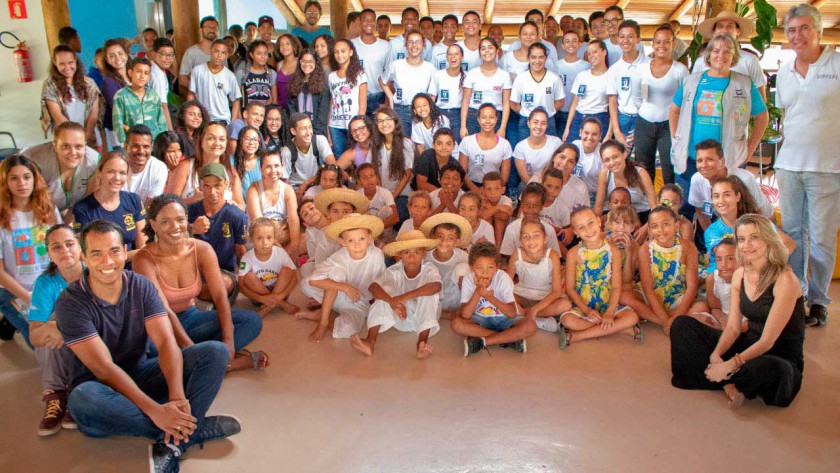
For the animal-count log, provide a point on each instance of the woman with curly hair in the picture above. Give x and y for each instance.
(116, 77)
(26, 212)
(348, 88)
(67, 95)
(192, 117)
(274, 130)
(288, 51)
(392, 155)
(323, 47)
(308, 92)
(246, 157)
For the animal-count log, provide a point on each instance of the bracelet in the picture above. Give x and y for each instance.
(739, 362)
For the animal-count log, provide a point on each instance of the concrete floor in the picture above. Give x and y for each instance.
(603, 405)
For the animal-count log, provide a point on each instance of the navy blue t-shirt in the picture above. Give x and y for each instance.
(228, 228)
(81, 316)
(126, 216)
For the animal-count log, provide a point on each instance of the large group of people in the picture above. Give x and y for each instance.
(394, 183)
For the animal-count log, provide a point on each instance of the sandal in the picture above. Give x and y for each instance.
(638, 333)
(565, 336)
(259, 359)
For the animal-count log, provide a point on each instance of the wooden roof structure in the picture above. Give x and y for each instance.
(510, 13)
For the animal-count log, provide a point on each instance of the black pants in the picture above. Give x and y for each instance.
(651, 137)
(776, 379)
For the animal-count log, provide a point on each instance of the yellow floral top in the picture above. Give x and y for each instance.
(668, 274)
(593, 276)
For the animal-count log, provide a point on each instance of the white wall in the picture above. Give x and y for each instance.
(20, 103)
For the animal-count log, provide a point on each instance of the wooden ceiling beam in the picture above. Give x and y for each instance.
(296, 11)
(287, 14)
(555, 7)
(681, 10)
(357, 5)
(423, 6)
(818, 3)
(622, 4)
(489, 6)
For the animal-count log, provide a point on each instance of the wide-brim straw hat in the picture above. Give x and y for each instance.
(354, 221)
(447, 217)
(707, 27)
(339, 194)
(409, 240)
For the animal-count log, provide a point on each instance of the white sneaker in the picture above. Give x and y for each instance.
(546, 323)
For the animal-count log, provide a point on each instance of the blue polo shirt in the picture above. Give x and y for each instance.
(81, 316)
(126, 216)
(228, 228)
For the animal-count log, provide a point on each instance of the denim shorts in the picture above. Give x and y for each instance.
(496, 324)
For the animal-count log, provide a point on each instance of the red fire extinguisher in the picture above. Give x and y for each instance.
(21, 55)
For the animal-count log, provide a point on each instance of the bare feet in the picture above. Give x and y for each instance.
(308, 315)
(290, 309)
(424, 350)
(361, 345)
(312, 304)
(265, 310)
(448, 314)
(736, 398)
(318, 334)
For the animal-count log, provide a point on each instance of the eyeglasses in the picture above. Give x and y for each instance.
(169, 55)
(417, 42)
(357, 130)
(614, 21)
(384, 120)
(251, 140)
(307, 62)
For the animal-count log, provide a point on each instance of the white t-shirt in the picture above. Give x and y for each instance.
(340, 267)
(345, 99)
(409, 80)
(567, 72)
(380, 205)
(439, 56)
(447, 269)
(215, 91)
(657, 95)
(149, 182)
(748, 65)
(376, 58)
(557, 214)
(406, 226)
(159, 83)
(811, 135)
(502, 287)
(484, 230)
(434, 195)
(399, 52)
(574, 193)
(510, 242)
(318, 246)
(536, 159)
(480, 161)
(516, 67)
(621, 83)
(446, 89)
(552, 49)
(472, 59)
(385, 159)
(531, 94)
(700, 193)
(487, 89)
(614, 51)
(24, 248)
(589, 166)
(395, 282)
(44, 157)
(193, 56)
(306, 166)
(265, 271)
(592, 92)
(424, 136)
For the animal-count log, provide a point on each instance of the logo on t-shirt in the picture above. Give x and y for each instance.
(476, 96)
(578, 170)
(444, 96)
(497, 88)
(400, 55)
(581, 90)
(362, 62)
(563, 78)
(399, 93)
(708, 209)
(528, 98)
(442, 65)
(479, 159)
(548, 91)
(226, 230)
(128, 220)
(625, 83)
(30, 249)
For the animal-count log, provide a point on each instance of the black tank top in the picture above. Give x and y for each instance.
(789, 343)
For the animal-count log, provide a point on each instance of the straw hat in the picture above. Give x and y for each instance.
(447, 217)
(341, 194)
(354, 221)
(746, 27)
(407, 241)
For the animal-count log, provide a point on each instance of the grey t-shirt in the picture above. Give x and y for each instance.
(193, 57)
(44, 157)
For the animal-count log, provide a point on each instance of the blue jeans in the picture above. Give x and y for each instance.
(13, 315)
(404, 112)
(560, 120)
(577, 124)
(454, 116)
(651, 137)
(525, 132)
(627, 125)
(498, 323)
(339, 141)
(810, 206)
(102, 412)
(472, 121)
(204, 326)
(402, 208)
(373, 102)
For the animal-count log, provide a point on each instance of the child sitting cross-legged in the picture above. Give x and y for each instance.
(406, 295)
(382, 202)
(530, 205)
(496, 207)
(668, 268)
(469, 207)
(488, 308)
(452, 233)
(622, 221)
(539, 290)
(342, 281)
(714, 312)
(266, 273)
(593, 283)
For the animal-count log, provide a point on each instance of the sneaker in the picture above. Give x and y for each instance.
(518, 345)
(53, 412)
(216, 428)
(472, 345)
(163, 458)
(7, 330)
(817, 316)
(68, 422)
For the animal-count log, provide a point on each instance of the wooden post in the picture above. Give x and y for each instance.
(338, 17)
(185, 23)
(56, 16)
(717, 6)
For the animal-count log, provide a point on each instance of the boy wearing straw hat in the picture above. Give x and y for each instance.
(342, 282)
(452, 233)
(406, 295)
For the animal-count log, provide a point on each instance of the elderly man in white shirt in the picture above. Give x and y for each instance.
(807, 167)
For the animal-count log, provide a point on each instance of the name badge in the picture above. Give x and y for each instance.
(528, 98)
(479, 159)
(708, 209)
(578, 170)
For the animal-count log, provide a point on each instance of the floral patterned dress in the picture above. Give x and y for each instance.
(668, 272)
(593, 276)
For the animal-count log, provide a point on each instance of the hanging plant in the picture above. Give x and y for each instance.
(765, 23)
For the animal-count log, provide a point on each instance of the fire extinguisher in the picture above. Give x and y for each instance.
(21, 55)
